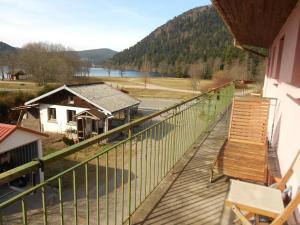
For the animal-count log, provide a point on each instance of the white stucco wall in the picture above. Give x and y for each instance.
(60, 125)
(19, 138)
(286, 131)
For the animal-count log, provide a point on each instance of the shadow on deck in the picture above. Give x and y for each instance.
(186, 196)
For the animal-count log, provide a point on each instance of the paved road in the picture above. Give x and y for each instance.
(156, 103)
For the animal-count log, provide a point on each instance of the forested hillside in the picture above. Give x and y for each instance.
(5, 48)
(97, 56)
(196, 42)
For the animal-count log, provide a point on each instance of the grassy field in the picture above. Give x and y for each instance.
(168, 82)
(25, 86)
(134, 86)
(153, 93)
(178, 83)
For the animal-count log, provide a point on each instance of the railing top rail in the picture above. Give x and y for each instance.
(41, 162)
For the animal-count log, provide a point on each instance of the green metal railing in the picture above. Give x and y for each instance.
(109, 186)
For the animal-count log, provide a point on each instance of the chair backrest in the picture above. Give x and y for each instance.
(293, 171)
(249, 120)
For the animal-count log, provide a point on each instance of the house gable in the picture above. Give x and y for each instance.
(62, 98)
(18, 138)
(50, 94)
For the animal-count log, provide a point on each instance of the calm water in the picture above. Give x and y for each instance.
(102, 72)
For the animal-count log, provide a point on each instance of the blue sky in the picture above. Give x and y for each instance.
(86, 24)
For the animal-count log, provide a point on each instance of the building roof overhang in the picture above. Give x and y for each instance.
(91, 113)
(65, 87)
(255, 22)
(7, 129)
(102, 96)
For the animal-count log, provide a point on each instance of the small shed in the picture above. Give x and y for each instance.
(19, 145)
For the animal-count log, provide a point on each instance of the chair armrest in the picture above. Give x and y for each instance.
(276, 182)
(277, 179)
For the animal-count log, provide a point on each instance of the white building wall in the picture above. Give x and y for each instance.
(286, 130)
(60, 125)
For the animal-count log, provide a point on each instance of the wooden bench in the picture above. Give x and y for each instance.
(245, 153)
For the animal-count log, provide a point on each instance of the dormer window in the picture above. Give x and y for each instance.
(70, 99)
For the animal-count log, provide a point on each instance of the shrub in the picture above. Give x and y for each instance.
(9, 100)
(68, 141)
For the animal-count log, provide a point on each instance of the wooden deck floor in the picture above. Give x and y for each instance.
(186, 196)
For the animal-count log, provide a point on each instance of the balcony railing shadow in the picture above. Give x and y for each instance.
(190, 198)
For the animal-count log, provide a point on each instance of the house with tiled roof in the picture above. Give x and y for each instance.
(19, 145)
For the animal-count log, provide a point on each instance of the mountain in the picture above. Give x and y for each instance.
(6, 48)
(97, 56)
(197, 36)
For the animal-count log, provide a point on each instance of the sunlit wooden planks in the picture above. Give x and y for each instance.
(244, 155)
(249, 120)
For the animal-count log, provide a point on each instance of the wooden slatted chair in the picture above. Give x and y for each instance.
(248, 199)
(244, 155)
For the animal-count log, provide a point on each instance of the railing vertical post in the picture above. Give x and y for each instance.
(141, 166)
(146, 161)
(106, 188)
(155, 160)
(87, 200)
(174, 136)
(24, 211)
(61, 203)
(97, 191)
(209, 111)
(115, 183)
(44, 206)
(122, 181)
(129, 175)
(165, 147)
(75, 198)
(135, 170)
(158, 154)
(150, 161)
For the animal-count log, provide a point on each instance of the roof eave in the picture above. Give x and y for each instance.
(64, 87)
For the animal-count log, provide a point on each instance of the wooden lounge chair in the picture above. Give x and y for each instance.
(248, 199)
(245, 153)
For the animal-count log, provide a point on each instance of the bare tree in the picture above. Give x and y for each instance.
(49, 62)
(121, 69)
(108, 66)
(2, 66)
(2, 72)
(196, 72)
(85, 68)
(145, 79)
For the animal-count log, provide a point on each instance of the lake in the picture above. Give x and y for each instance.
(103, 72)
